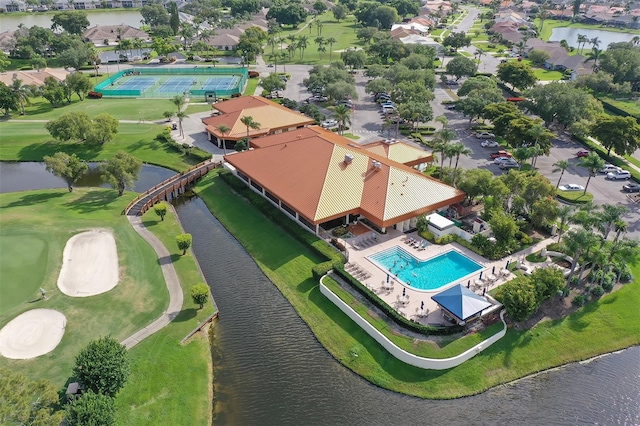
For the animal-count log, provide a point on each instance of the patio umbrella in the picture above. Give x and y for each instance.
(481, 274)
(469, 284)
(484, 291)
(404, 291)
(387, 278)
(422, 305)
(507, 267)
(493, 270)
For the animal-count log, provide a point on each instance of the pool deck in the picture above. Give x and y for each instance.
(376, 282)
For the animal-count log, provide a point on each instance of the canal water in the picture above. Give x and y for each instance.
(10, 21)
(605, 37)
(270, 370)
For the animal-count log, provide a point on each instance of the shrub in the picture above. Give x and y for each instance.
(449, 238)
(560, 248)
(427, 235)
(340, 231)
(321, 269)
(579, 300)
(607, 286)
(519, 298)
(199, 294)
(597, 291)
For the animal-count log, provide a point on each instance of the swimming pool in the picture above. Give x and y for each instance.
(430, 274)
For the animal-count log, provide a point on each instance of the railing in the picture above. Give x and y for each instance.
(209, 163)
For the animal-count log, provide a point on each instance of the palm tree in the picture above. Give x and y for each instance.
(635, 41)
(302, 44)
(224, 129)
(479, 53)
(582, 40)
(608, 217)
(522, 155)
(178, 101)
(441, 140)
(595, 42)
(319, 26)
(594, 55)
(560, 166)
(442, 120)
(273, 42)
(577, 240)
(565, 44)
(181, 115)
(585, 216)
(342, 114)
(330, 42)
(564, 214)
(592, 163)
(458, 149)
(247, 120)
(23, 93)
(321, 49)
(620, 226)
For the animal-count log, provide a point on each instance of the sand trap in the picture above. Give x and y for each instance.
(34, 333)
(89, 264)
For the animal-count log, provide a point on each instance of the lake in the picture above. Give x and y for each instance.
(606, 37)
(10, 21)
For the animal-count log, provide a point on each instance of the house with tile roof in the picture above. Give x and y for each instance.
(322, 180)
(114, 33)
(273, 118)
(33, 77)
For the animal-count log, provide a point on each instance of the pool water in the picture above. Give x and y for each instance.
(430, 274)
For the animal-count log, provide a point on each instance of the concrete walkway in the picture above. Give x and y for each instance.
(170, 278)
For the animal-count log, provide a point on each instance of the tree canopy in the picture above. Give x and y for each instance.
(292, 13)
(27, 402)
(72, 21)
(518, 74)
(562, 102)
(622, 134)
(461, 66)
(91, 409)
(456, 40)
(68, 167)
(102, 366)
(121, 171)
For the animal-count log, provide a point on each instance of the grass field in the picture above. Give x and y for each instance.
(607, 324)
(171, 383)
(43, 221)
(30, 141)
(344, 32)
(122, 109)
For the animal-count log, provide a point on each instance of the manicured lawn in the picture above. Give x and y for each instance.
(608, 324)
(629, 105)
(44, 221)
(344, 32)
(194, 108)
(171, 383)
(30, 141)
(250, 88)
(122, 109)
(546, 75)
(575, 196)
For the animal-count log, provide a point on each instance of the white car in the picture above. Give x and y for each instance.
(608, 168)
(500, 160)
(485, 135)
(571, 187)
(618, 175)
(489, 144)
(328, 124)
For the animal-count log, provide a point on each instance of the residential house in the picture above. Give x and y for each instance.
(273, 118)
(322, 180)
(33, 77)
(223, 41)
(13, 5)
(113, 33)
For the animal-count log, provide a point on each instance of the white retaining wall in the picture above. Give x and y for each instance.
(401, 354)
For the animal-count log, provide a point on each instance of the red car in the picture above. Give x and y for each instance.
(500, 154)
(582, 153)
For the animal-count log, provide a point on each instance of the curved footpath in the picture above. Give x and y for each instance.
(170, 278)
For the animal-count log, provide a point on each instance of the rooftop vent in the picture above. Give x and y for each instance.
(348, 158)
(389, 141)
(376, 165)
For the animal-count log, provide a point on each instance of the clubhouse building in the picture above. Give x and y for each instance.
(323, 180)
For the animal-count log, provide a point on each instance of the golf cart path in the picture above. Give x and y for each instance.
(170, 278)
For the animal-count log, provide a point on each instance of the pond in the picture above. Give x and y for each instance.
(10, 21)
(605, 37)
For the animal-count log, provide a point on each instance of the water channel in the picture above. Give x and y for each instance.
(270, 369)
(10, 21)
(605, 37)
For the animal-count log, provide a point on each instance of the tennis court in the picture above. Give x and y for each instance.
(210, 83)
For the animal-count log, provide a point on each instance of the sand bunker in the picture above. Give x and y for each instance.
(34, 333)
(89, 264)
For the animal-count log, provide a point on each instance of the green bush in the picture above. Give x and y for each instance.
(559, 247)
(597, 291)
(607, 286)
(321, 269)
(579, 300)
(427, 235)
(340, 231)
(447, 239)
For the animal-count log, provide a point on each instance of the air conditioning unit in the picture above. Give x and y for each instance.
(348, 158)
(376, 165)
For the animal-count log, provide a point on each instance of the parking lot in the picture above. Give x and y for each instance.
(367, 123)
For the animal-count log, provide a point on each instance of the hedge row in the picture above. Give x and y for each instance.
(335, 259)
(616, 110)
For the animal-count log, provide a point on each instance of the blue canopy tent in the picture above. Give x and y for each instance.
(461, 303)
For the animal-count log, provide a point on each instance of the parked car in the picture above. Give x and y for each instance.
(631, 187)
(318, 98)
(388, 110)
(500, 160)
(571, 187)
(500, 153)
(582, 153)
(618, 175)
(396, 119)
(451, 107)
(329, 124)
(509, 165)
(489, 144)
(609, 168)
(451, 83)
(485, 135)
(388, 103)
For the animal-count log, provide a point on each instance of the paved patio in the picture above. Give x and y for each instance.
(363, 245)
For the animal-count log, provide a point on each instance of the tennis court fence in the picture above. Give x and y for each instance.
(108, 89)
